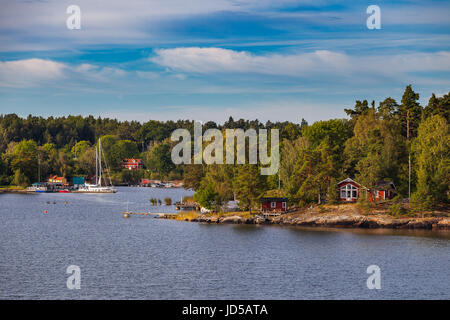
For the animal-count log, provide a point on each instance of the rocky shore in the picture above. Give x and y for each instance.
(339, 221)
(347, 217)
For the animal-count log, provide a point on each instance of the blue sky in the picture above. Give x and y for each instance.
(209, 59)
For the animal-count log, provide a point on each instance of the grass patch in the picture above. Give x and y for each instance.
(12, 187)
(186, 215)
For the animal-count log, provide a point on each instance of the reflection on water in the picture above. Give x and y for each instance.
(146, 258)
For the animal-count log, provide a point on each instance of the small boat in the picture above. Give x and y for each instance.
(64, 191)
(98, 187)
(37, 187)
(126, 214)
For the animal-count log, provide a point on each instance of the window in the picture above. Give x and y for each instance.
(273, 204)
(283, 205)
(349, 191)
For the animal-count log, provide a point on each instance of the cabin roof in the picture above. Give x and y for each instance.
(385, 185)
(275, 199)
(349, 180)
(274, 193)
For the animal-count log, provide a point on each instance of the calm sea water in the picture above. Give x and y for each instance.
(146, 258)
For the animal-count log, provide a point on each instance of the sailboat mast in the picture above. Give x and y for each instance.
(100, 161)
(96, 165)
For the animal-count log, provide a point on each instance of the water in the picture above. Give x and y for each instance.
(146, 258)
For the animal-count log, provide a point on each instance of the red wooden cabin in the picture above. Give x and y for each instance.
(274, 204)
(349, 190)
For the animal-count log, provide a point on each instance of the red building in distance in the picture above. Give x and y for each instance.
(351, 191)
(132, 164)
(274, 201)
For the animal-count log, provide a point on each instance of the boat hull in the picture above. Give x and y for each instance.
(92, 191)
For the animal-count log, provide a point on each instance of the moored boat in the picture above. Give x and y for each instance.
(98, 187)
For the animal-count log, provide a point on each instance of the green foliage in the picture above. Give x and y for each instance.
(364, 204)
(396, 207)
(122, 149)
(24, 161)
(361, 107)
(167, 201)
(376, 151)
(159, 160)
(373, 145)
(193, 175)
(409, 112)
(128, 176)
(387, 109)
(248, 186)
(207, 197)
(432, 153)
(79, 148)
(333, 192)
(438, 106)
(20, 179)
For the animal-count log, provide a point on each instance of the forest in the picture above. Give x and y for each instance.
(376, 142)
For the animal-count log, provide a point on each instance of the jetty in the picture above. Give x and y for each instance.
(127, 214)
(187, 206)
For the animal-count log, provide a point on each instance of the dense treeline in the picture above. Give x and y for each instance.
(65, 146)
(374, 144)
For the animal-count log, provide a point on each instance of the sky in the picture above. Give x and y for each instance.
(207, 60)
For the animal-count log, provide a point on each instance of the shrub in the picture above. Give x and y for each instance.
(364, 204)
(396, 209)
(168, 201)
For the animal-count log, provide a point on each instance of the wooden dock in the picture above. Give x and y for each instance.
(127, 214)
(187, 206)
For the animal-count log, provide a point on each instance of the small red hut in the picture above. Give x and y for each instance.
(384, 190)
(274, 201)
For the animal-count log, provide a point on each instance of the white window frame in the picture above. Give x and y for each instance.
(349, 189)
(283, 205)
(273, 204)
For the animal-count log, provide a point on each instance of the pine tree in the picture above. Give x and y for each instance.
(248, 186)
(410, 112)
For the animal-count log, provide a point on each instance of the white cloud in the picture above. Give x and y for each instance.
(218, 60)
(213, 60)
(29, 72)
(39, 72)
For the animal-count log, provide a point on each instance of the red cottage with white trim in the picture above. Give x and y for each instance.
(349, 190)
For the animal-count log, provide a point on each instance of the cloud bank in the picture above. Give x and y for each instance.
(218, 60)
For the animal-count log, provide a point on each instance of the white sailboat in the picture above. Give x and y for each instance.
(98, 187)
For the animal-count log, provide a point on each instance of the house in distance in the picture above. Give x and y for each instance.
(132, 164)
(351, 191)
(274, 201)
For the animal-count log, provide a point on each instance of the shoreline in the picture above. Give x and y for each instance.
(344, 216)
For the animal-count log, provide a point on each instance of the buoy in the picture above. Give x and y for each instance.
(126, 215)
(45, 211)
